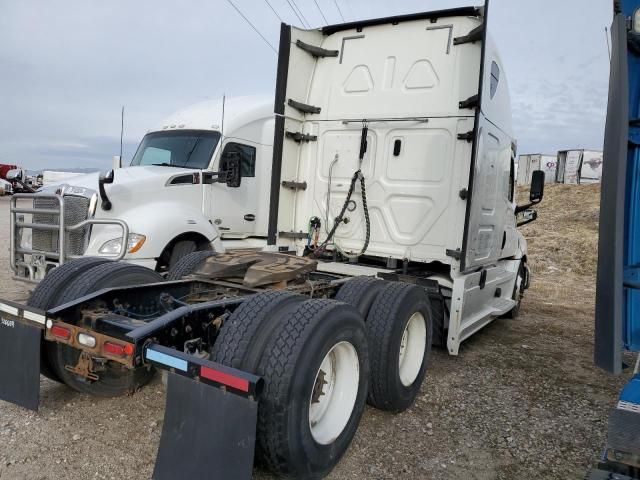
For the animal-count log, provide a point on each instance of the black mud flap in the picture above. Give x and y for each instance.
(19, 363)
(207, 433)
(210, 418)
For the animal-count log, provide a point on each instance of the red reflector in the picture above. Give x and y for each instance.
(225, 379)
(128, 349)
(114, 349)
(61, 332)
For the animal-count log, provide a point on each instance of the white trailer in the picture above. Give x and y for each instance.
(579, 166)
(591, 166)
(527, 164)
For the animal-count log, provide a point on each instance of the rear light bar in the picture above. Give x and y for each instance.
(92, 342)
(235, 381)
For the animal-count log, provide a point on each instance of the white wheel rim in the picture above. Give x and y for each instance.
(412, 348)
(334, 393)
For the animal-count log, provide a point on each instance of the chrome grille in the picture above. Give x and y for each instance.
(75, 211)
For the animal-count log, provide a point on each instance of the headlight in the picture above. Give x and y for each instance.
(114, 246)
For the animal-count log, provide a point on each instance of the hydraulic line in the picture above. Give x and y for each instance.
(357, 176)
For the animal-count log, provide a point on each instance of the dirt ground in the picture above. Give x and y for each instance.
(521, 401)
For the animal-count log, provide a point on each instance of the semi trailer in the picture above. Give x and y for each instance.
(390, 225)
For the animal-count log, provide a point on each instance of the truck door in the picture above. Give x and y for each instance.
(233, 209)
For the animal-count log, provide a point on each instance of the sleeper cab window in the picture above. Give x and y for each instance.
(247, 158)
(495, 78)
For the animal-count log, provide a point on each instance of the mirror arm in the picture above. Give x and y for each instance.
(522, 208)
(526, 222)
(208, 177)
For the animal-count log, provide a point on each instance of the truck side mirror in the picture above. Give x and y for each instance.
(535, 194)
(231, 166)
(117, 162)
(537, 186)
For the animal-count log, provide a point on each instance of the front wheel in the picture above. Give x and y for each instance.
(518, 290)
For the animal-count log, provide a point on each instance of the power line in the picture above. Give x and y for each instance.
(321, 13)
(297, 14)
(339, 11)
(252, 25)
(274, 11)
(301, 14)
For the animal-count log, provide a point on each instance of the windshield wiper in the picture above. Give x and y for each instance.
(167, 165)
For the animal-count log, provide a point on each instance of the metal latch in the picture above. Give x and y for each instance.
(457, 254)
(301, 137)
(293, 185)
(316, 51)
(473, 36)
(466, 136)
(471, 102)
(303, 107)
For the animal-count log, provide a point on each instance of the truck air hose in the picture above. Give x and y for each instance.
(340, 218)
(357, 175)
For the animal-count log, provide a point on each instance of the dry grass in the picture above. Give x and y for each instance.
(564, 239)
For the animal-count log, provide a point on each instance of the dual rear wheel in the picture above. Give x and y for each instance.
(322, 361)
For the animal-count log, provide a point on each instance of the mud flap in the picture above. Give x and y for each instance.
(207, 432)
(210, 418)
(19, 363)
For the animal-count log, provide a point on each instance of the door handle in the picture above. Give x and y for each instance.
(249, 217)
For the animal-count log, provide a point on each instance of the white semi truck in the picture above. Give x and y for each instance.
(382, 211)
(168, 201)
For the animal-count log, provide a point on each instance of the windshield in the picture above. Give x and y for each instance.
(183, 148)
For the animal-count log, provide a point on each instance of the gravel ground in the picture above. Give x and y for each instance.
(521, 401)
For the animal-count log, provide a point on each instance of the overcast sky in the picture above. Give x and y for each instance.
(67, 67)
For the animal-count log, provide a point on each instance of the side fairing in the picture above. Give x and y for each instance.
(490, 207)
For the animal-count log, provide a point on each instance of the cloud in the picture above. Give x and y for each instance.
(68, 67)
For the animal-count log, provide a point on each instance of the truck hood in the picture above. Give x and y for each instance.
(128, 177)
(133, 187)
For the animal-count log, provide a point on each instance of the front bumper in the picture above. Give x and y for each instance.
(29, 264)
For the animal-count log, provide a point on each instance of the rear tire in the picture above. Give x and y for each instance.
(189, 264)
(45, 296)
(116, 379)
(399, 329)
(244, 335)
(360, 292)
(304, 424)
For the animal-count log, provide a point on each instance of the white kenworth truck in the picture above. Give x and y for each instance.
(169, 202)
(390, 223)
